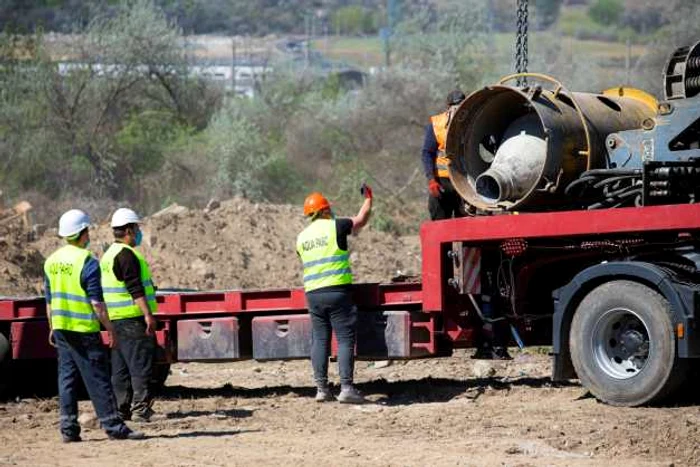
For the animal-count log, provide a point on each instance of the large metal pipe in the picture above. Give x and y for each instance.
(515, 168)
(517, 148)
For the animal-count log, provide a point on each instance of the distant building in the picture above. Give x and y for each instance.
(239, 78)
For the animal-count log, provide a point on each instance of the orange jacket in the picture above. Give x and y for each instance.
(440, 124)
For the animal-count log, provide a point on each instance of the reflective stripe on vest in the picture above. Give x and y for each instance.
(442, 162)
(119, 303)
(71, 309)
(325, 264)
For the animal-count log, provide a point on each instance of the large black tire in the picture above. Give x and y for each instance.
(623, 345)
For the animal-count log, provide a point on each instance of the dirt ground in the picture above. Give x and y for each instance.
(443, 412)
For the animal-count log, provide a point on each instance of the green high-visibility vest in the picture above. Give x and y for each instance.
(119, 303)
(71, 309)
(325, 264)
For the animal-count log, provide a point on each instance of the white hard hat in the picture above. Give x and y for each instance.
(72, 222)
(124, 216)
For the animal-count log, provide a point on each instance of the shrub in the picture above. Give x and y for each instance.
(606, 12)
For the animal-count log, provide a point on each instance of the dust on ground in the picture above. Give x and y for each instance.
(237, 245)
(441, 412)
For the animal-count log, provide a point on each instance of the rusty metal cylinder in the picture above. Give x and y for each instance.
(518, 148)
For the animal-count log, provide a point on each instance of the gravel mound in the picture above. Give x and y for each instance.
(235, 244)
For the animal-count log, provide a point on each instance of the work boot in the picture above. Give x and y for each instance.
(350, 395)
(501, 353)
(483, 353)
(144, 416)
(323, 394)
(72, 439)
(127, 435)
(492, 353)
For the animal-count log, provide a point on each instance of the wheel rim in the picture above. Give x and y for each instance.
(620, 343)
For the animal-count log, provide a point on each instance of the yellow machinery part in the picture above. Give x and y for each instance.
(634, 93)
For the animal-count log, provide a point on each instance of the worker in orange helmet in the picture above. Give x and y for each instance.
(444, 202)
(323, 249)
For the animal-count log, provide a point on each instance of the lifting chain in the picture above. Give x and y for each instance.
(521, 42)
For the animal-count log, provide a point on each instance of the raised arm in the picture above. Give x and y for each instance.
(362, 217)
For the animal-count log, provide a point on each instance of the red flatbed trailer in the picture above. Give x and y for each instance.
(616, 292)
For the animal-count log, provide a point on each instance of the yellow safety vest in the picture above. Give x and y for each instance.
(325, 264)
(71, 309)
(119, 303)
(440, 124)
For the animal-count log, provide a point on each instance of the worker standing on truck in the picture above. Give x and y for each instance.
(444, 202)
(131, 302)
(74, 309)
(323, 249)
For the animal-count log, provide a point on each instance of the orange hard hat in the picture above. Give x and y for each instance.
(315, 203)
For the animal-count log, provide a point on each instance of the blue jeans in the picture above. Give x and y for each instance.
(82, 355)
(332, 310)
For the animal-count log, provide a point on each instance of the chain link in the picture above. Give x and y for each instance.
(521, 42)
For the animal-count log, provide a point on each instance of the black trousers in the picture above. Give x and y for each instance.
(448, 205)
(332, 310)
(132, 366)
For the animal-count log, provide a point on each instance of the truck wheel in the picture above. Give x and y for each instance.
(623, 346)
(5, 362)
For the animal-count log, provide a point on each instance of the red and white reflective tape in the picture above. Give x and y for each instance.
(471, 271)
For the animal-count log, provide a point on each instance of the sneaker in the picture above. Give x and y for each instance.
(351, 396)
(144, 416)
(129, 435)
(125, 416)
(324, 395)
(72, 439)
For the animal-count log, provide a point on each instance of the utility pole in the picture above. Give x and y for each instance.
(628, 63)
(313, 25)
(233, 64)
(388, 31)
(326, 45)
(307, 29)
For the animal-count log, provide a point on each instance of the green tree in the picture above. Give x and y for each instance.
(455, 45)
(502, 14)
(88, 127)
(23, 141)
(348, 20)
(681, 18)
(606, 12)
(547, 12)
(122, 56)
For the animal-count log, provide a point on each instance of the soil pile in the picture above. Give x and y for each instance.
(246, 245)
(21, 264)
(234, 245)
